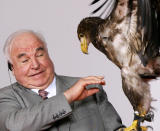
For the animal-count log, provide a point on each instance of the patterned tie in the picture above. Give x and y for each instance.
(43, 94)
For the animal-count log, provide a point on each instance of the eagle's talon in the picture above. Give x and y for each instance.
(150, 128)
(149, 117)
(136, 127)
(133, 127)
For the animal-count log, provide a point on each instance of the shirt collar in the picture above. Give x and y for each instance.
(51, 89)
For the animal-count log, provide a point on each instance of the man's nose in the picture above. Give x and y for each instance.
(35, 64)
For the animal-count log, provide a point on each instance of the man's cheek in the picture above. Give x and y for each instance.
(23, 71)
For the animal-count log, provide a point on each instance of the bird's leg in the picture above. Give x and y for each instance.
(140, 117)
(139, 95)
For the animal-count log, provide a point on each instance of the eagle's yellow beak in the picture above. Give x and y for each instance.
(84, 45)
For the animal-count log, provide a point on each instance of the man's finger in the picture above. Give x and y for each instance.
(94, 77)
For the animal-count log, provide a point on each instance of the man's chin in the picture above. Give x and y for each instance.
(38, 85)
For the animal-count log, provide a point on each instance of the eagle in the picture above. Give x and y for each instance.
(129, 36)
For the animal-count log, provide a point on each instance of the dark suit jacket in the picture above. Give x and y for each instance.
(23, 110)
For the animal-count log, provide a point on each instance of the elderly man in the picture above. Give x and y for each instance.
(64, 104)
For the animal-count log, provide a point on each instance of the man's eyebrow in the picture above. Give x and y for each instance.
(40, 49)
(21, 55)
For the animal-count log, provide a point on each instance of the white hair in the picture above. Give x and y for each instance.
(8, 44)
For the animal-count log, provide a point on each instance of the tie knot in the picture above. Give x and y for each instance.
(43, 94)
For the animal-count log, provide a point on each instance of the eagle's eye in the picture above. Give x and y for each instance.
(105, 38)
(81, 35)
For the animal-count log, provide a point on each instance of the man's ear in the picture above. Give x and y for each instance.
(10, 66)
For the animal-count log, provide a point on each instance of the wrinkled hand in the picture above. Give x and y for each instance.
(78, 90)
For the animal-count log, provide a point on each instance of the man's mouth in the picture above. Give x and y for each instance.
(36, 74)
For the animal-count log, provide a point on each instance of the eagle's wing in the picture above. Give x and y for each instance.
(149, 26)
(147, 13)
(107, 7)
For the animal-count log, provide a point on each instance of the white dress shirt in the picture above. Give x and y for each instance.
(51, 89)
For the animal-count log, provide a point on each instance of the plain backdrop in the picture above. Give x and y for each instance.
(57, 20)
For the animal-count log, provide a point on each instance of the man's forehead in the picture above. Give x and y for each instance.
(28, 51)
(26, 42)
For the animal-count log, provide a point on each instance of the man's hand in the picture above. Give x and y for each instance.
(78, 90)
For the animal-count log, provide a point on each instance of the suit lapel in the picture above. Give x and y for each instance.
(29, 97)
(60, 85)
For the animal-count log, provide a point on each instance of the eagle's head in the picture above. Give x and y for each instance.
(88, 31)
